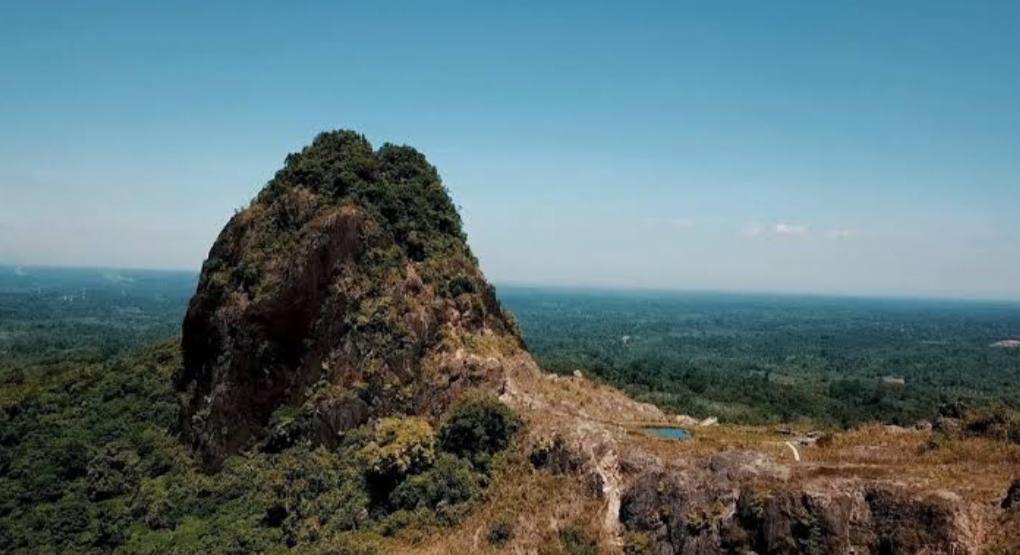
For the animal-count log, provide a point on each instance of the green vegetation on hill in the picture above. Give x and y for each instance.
(396, 182)
(394, 187)
(90, 463)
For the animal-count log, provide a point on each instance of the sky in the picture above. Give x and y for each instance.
(866, 148)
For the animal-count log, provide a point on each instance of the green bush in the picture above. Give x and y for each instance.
(72, 457)
(287, 426)
(451, 482)
(477, 427)
(111, 472)
(399, 446)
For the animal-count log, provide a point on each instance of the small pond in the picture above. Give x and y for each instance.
(667, 432)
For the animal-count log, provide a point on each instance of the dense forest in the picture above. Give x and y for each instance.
(91, 460)
(63, 315)
(744, 358)
(757, 358)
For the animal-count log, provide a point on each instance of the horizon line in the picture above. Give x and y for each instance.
(523, 284)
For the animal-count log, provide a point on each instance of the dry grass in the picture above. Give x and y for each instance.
(977, 469)
(535, 505)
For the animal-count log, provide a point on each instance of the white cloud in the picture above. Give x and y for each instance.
(839, 234)
(681, 223)
(780, 229)
(790, 229)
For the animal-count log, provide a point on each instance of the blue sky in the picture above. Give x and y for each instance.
(832, 147)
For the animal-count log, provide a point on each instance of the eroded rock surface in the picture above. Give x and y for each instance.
(686, 514)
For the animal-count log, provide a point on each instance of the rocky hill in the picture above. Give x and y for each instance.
(346, 289)
(346, 293)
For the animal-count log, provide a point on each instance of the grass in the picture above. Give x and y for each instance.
(519, 499)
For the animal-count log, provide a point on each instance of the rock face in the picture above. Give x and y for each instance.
(692, 513)
(713, 511)
(345, 290)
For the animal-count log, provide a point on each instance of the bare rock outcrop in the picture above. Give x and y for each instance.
(692, 513)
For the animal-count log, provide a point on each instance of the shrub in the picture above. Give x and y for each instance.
(310, 494)
(111, 472)
(577, 541)
(450, 481)
(399, 447)
(501, 533)
(71, 456)
(287, 426)
(478, 427)
(636, 543)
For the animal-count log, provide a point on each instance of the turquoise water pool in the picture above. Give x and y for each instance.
(668, 432)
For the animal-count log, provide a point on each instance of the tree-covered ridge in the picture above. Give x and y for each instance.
(395, 182)
(403, 211)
